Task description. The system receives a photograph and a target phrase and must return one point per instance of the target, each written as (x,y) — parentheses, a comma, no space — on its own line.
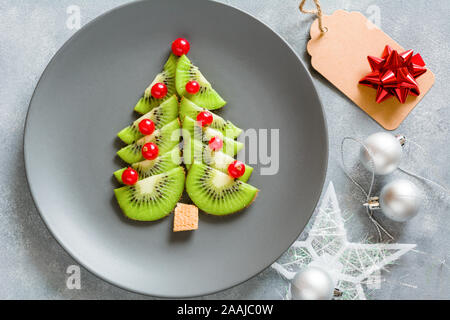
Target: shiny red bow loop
(394,74)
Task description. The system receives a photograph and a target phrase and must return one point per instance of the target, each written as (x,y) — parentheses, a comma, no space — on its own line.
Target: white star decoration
(349,264)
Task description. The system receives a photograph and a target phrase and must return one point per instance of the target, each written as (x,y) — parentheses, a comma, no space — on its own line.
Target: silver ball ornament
(385,153)
(312,283)
(400,200)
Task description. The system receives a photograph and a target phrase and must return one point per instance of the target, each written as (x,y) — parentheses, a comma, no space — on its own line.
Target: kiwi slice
(230,146)
(152,198)
(190,109)
(165,138)
(206,97)
(192,150)
(196,151)
(220,161)
(217,193)
(167,76)
(147,168)
(162,115)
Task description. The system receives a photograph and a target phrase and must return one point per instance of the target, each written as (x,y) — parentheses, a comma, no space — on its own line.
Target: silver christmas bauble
(386,152)
(400,200)
(312,283)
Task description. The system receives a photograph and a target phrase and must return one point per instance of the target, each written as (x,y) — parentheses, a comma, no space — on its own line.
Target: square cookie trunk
(185,218)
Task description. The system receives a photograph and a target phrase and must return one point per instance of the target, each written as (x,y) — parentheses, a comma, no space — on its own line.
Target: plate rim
(66,248)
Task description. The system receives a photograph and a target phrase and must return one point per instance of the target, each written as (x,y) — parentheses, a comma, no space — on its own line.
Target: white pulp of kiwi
(145,164)
(221,180)
(218,159)
(146,186)
(210,133)
(149,138)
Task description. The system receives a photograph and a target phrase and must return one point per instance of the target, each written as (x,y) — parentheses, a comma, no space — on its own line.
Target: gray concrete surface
(33,265)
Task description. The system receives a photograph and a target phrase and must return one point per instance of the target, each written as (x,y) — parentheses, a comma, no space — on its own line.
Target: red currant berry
(215,143)
(159,90)
(205,118)
(236,169)
(180,46)
(192,87)
(146,126)
(130,176)
(150,151)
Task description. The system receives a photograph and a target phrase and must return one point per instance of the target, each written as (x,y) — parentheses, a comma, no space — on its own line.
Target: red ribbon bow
(394,74)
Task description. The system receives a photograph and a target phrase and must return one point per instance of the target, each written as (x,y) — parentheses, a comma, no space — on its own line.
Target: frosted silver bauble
(386,151)
(312,283)
(400,200)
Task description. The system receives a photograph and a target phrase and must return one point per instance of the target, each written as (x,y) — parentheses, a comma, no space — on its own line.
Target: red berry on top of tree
(180,46)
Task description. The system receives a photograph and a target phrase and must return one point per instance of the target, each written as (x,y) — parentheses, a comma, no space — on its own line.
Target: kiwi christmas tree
(154,180)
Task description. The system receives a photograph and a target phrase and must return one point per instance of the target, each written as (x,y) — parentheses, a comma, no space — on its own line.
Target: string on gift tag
(317,12)
(368,194)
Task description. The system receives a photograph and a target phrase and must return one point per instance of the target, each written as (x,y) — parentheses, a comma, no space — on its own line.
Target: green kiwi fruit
(192,150)
(152,198)
(165,138)
(162,115)
(167,76)
(190,109)
(215,192)
(196,151)
(147,168)
(230,146)
(206,97)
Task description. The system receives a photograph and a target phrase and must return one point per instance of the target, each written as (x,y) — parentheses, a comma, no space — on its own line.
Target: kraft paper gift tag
(340,55)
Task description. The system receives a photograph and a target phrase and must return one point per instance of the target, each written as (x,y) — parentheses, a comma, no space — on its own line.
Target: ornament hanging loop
(401,139)
(373,203)
(317,12)
(337,293)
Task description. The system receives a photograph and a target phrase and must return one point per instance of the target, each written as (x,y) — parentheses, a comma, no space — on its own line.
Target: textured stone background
(33,265)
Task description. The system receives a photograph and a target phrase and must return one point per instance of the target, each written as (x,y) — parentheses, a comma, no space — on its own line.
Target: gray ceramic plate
(87,94)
